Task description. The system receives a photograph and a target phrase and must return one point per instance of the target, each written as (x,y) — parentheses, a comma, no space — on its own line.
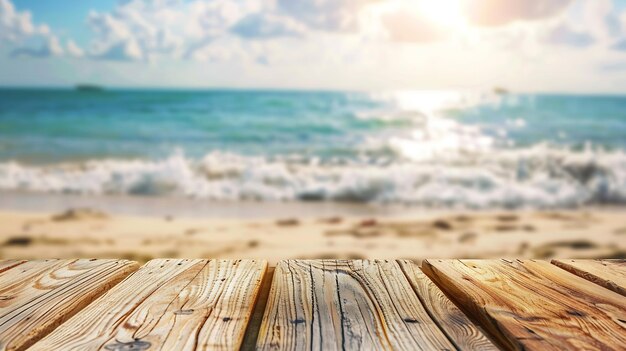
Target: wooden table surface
(196,304)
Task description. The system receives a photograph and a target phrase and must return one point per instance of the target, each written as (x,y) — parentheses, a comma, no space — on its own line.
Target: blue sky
(68,19)
(525,45)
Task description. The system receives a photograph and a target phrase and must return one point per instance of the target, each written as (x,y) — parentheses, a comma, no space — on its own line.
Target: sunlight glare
(446,13)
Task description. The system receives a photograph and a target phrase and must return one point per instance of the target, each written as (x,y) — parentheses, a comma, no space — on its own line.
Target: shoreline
(183,207)
(154,206)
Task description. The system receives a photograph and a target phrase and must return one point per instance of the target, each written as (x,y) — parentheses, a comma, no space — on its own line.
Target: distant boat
(88,87)
(500,90)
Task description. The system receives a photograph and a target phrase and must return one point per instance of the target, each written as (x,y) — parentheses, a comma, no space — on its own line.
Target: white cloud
(620,45)
(210,30)
(50,47)
(619,31)
(405,24)
(407,27)
(131,32)
(144,29)
(329,15)
(564,34)
(19,29)
(122,50)
(502,12)
(74,50)
(264,26)
(600,18)
(587,23)
(16,26)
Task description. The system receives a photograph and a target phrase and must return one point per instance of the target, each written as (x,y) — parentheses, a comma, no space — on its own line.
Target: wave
(405,152)
(540,176)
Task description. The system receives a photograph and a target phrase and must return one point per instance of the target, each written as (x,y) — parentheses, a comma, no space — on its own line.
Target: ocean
(423,149)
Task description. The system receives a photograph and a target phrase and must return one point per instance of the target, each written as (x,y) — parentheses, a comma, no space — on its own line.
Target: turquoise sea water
(430,149)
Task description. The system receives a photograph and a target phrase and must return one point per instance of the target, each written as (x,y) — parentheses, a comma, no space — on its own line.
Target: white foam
(537,177)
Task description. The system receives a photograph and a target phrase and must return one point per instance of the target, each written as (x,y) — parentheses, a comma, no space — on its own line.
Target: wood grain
(254,324)
(168,305)
(8,264)
(349,305)
(610,274)
(462,332)
(534,305)
(37,296)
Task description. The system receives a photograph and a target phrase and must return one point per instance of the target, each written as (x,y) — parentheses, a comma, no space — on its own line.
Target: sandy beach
(85,232)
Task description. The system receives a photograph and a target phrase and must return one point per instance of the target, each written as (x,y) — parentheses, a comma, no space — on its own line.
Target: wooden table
(185,304)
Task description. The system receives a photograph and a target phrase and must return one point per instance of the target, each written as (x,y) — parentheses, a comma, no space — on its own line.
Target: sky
(574,46)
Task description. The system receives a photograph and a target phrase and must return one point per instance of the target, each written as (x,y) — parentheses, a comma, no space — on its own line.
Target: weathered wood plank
(252,331)
(168,305)
(37,296)
(610,274)
(349,305)
(8,264)
(534,305)
(460,330)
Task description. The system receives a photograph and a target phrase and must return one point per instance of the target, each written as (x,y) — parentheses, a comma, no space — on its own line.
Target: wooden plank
(37,296)
(349,305)
(610,274)
(252,332)
(8,264)
(463,333)
(168,305)
(534,305)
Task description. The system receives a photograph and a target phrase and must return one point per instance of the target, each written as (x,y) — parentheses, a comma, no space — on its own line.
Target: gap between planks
(610,274)
(462,331)
(533,305)
(252,331)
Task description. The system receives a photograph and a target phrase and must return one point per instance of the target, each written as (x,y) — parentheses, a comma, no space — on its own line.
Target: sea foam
(535,177)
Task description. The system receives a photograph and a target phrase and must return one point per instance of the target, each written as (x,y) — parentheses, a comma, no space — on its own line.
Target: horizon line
(299,89)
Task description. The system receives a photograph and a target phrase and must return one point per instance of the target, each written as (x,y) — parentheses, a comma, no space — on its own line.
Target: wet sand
(85,232)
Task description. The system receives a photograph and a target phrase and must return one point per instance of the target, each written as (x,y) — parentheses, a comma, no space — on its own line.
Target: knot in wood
(135,345)
(184,312)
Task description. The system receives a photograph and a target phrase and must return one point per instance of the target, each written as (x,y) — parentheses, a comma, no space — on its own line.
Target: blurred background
(313,129)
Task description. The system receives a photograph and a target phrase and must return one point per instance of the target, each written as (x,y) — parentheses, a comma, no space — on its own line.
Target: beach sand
(84,232)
